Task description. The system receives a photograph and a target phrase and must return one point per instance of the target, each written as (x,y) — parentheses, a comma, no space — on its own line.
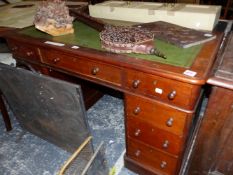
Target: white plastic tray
(203,17)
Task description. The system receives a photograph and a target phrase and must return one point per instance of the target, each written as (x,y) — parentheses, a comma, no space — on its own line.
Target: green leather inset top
(88,37)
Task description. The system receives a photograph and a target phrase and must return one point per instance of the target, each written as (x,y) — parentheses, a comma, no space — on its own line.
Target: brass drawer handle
(169,122)
(163,164)
(29,53)
(137,132)
(137,110)
(95,70)
(137,153)
(14,48)
(136,83)
(165,144)
(56,60)
(171,95)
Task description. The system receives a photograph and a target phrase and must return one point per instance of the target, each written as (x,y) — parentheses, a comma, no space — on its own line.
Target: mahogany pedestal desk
(160,99)
(213,150)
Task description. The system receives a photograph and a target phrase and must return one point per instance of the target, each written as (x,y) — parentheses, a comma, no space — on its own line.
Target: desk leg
(5,115)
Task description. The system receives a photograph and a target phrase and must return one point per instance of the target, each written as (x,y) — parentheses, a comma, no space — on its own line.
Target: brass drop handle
(172,95)
(137,110)
(56,60)
(30,53)
(169,122)
(137,132)
(14,48)
(163,164)
(165,144)
(95,70)
(137,153)
(136,84)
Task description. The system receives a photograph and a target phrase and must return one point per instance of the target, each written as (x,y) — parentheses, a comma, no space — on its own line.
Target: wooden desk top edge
(219,76)
(202,64)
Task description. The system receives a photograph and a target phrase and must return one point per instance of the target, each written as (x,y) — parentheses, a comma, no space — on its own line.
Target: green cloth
(88,37)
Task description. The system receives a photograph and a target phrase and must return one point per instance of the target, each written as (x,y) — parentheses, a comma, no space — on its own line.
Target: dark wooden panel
(213,151)
(49,108)
(214,141)
(225,69)
(91,92)
(223,74)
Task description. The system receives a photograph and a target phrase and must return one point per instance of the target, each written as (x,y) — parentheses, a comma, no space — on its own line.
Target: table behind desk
(213,153)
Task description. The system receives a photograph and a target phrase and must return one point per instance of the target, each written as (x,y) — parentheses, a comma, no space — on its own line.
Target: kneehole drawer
(86,67)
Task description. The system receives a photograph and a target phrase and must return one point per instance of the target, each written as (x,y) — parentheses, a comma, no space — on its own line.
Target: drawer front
(21,50)
(88,68)
(153,159)
(157,114)
(154,136)
(171,91)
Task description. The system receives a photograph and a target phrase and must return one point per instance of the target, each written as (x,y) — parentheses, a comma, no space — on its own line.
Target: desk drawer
(158,114)
(21,50)
(147,133)
(151,158)
(86,67)
(168,90)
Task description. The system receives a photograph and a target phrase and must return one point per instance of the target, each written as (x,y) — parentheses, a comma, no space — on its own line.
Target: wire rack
(85,161)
